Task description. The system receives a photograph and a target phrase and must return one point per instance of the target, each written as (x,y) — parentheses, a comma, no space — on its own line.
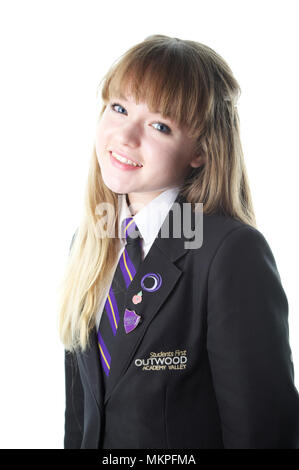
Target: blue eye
(116,104)
(166,130)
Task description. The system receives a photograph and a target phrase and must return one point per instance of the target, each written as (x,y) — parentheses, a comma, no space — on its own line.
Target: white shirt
(149,220)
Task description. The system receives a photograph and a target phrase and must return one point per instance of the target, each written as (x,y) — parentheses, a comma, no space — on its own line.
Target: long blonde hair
(190,83)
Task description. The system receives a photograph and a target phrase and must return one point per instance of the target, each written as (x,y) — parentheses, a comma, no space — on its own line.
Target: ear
(198,160)
(200,153)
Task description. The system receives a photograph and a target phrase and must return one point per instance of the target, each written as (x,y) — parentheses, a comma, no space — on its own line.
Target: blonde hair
(190,83)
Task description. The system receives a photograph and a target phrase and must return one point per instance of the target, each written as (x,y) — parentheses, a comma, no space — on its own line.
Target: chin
(115,186)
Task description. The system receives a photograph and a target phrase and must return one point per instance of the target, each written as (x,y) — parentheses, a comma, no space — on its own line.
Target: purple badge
(131,320)
(157,278)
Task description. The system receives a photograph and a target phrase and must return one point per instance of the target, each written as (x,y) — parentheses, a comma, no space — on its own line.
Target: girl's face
(131,131)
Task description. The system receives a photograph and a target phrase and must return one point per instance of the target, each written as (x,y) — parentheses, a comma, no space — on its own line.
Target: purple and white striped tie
(114,307)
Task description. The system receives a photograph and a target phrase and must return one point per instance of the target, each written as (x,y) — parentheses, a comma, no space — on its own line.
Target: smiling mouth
(124,160)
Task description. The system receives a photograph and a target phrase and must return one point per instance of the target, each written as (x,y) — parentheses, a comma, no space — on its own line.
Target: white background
(53,56)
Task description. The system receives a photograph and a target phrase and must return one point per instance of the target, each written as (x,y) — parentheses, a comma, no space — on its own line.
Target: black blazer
(210,365)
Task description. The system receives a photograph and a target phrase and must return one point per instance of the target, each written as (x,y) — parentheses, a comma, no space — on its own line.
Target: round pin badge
(151,278)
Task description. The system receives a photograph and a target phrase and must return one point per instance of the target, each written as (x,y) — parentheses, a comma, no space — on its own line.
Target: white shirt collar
(150,218)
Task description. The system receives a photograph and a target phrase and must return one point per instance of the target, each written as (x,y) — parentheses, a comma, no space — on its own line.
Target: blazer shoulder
(222,224)
(243,248)
(218,226)
(229,238)
(243,237)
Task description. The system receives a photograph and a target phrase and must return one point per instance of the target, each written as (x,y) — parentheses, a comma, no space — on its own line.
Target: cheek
(104,126)
(169,159)
(101,129)
(159,154)
(98,139)
(100,144)
(102,136)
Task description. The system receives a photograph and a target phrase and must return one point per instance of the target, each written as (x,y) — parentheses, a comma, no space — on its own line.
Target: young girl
(170,345)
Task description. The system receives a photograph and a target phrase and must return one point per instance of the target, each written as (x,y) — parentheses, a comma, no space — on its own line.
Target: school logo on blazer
(170,360)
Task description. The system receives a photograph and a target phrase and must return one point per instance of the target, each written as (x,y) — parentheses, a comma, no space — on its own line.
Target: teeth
(124,160)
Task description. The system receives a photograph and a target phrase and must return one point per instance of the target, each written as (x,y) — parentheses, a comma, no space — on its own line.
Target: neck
(136,201)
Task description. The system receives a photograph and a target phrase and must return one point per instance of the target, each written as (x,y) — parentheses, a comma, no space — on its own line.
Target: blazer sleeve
(74,398)
(74,403)
(248,345)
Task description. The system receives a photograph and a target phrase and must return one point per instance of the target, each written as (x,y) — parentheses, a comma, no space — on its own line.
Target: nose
(129,134)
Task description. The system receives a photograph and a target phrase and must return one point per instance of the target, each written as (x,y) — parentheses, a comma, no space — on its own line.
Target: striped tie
(114,307)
